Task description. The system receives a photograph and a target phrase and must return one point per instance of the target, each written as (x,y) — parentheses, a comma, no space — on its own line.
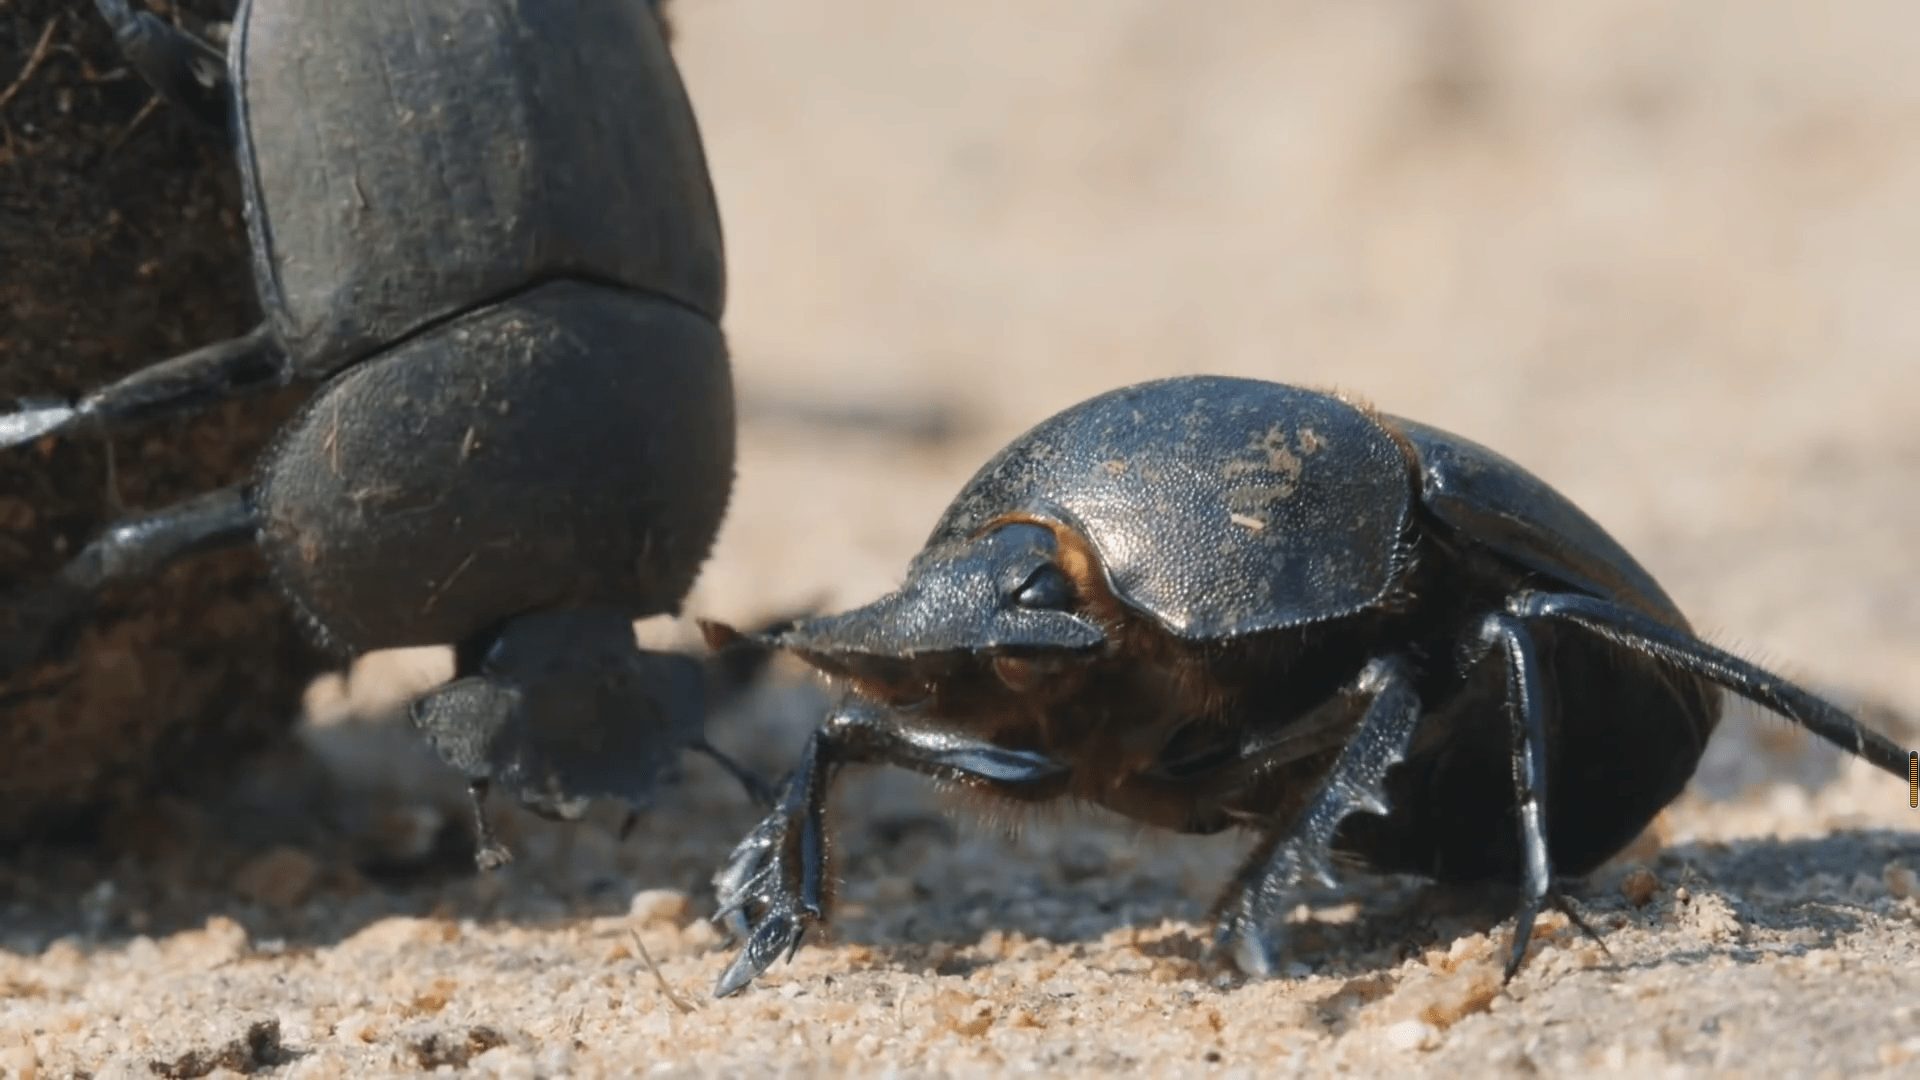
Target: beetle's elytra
(485,230)
(1206,601)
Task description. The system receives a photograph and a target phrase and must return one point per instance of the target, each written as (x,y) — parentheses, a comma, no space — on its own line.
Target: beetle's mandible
(1206,601)
(485,230)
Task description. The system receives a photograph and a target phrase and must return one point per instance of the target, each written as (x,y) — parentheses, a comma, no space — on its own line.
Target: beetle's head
(1001,608)
(562,707)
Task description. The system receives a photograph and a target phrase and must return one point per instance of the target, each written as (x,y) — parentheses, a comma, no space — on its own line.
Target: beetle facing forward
(486,229)
(1205,602)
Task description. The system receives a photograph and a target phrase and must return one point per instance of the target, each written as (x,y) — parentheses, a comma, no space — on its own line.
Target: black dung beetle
(1204,602)
(485,229)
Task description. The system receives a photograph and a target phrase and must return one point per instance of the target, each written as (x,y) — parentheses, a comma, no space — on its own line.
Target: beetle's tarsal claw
(766,889)
(1523,921)
(30,421)
(778,934)
(1251,949)
(1257,900)
(1250,935)
(1522,937)
(1565,907)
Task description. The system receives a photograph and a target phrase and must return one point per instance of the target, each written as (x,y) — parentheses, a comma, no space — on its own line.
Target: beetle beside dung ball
(1204,602)
(485,231)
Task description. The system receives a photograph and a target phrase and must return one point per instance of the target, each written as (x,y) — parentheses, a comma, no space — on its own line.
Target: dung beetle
(485,230)
(1205,602)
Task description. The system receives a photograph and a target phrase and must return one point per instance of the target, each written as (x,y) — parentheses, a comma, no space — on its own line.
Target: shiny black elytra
(485,229)
(1205,602)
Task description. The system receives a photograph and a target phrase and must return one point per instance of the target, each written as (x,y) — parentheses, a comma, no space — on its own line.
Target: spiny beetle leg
(774,884)
(762,886)
(1259,895)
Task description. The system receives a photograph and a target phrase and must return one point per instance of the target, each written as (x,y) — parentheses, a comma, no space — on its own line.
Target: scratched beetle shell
(1236,508)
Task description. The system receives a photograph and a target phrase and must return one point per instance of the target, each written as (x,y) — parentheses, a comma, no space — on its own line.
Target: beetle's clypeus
(485,231)
(1204,602)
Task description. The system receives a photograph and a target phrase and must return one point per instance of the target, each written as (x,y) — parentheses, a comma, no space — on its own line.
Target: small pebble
(657,905)
(19,1063)
(280,879)
(1413,1035)
(1639,887)
(1902,882)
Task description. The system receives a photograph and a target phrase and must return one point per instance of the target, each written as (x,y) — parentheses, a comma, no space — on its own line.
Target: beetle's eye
(1046,589)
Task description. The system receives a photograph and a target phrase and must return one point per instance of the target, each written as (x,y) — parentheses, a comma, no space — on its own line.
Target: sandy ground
(1661,253)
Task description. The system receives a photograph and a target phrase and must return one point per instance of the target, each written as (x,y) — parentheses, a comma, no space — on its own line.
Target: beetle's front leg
(774,884)
(1254,903)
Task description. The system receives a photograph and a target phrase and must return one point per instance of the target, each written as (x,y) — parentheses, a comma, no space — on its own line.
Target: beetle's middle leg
(1257,898)
(780,868)
(247,364)
(130,549)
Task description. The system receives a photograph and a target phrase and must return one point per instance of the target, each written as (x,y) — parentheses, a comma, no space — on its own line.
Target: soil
(122,243)
(1662,254)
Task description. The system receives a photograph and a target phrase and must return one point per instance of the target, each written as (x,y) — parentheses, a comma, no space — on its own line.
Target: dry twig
(133,125)
(34,61)
(665,988)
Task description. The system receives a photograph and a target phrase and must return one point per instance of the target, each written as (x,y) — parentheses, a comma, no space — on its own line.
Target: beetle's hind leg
(194,380)
(1255,902)
(36,623)
(187,71)
(1695,657)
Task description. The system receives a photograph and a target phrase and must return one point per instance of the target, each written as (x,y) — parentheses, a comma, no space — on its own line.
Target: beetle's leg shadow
(134,548)
(1629,628)
(188,72)
(1258,896)
(780,868)
(213,373)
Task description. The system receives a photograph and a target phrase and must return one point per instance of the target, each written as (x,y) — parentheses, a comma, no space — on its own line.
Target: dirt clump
(121,232)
